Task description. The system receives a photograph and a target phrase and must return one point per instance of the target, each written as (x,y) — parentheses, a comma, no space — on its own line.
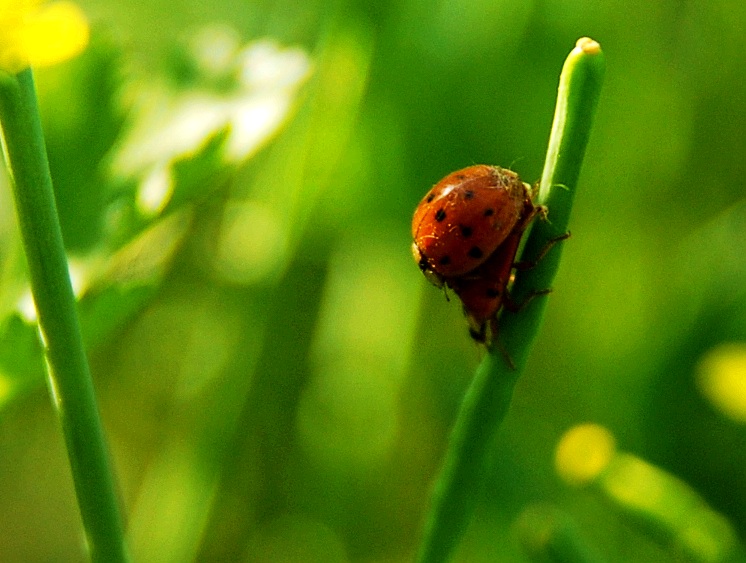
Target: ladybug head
(424,265)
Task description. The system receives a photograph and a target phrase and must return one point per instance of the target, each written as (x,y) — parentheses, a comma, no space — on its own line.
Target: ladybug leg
(528,264)
(479,334)
(445,293)
(530,211)
(495,341)
(478,331)
(514,307)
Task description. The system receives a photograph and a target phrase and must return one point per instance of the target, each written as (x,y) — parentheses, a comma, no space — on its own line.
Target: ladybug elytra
(484,291)
(466,233)
(464,218)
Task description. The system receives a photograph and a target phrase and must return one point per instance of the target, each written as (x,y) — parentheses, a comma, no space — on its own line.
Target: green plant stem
(67,367)
(487,400)
(676,516)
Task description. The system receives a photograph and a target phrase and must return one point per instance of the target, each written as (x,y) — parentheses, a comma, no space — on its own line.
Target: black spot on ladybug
(460,176)
(430,197)
(445,260)
(465,231)
(492,293)
(440,214)
(489,212)
(469,194)
(475,252)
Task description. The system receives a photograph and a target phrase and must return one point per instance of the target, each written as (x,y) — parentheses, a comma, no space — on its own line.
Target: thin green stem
(488,398)
(676,516)
(68,372)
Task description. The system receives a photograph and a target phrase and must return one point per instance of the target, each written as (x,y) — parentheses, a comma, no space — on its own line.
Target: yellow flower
(32,34)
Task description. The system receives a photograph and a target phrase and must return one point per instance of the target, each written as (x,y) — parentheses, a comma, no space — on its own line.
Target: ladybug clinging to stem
(464,218)
(466,232)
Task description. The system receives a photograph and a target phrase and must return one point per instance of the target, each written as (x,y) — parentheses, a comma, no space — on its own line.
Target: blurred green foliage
(276,378)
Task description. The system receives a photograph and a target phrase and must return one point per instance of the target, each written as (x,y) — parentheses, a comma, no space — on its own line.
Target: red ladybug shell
(483,291)
(464,218)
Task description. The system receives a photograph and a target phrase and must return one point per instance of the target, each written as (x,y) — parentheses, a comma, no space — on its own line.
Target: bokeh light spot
(721,377)
(6,388)
(583,453)
(640,486)
(155,191)
(252,243)
(348,416)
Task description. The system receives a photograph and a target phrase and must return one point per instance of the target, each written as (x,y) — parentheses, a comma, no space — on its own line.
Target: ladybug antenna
(515,161)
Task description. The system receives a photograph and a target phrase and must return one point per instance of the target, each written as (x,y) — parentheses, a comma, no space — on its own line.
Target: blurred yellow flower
(583,453)
(36,34)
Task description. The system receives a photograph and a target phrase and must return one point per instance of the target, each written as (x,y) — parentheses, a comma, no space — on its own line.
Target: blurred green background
(276,377)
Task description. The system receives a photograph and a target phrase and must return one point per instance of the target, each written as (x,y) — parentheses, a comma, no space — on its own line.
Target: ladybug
(462,220)
(484,291)
(486,208)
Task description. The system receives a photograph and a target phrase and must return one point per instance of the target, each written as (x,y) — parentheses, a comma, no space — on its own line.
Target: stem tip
(588,46)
